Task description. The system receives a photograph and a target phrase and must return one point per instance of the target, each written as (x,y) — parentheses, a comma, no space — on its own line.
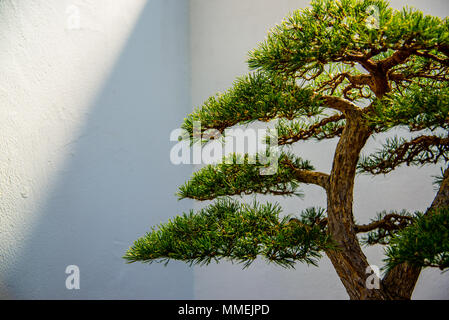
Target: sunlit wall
(89,92)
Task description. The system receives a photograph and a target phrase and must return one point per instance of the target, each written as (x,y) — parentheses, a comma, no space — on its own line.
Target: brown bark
(349,261)
(390,222)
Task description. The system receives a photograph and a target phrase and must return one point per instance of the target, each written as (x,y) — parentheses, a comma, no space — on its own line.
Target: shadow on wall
(118,181)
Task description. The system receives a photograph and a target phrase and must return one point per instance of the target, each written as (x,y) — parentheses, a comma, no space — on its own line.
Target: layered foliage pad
(423,244)
(238,175)
(236,232)
(335,31)
(255,97)
(416,109)
(396,151)
(424,110)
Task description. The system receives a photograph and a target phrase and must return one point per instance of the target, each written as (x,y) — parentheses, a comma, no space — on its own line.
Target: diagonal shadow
(119,180)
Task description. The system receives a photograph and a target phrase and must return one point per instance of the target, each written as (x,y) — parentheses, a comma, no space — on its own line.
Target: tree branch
(391,221)
(309,177)
(236,232)
(316,130)
(340,104)
(428,55)
(364,60)
(420,150)
(398,57)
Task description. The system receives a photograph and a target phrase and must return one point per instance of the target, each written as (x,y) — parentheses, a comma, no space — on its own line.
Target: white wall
(85,115)
(222,32)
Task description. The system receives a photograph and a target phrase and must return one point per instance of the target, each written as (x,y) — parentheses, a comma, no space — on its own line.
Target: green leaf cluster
(397,150)
(425,243)
(254,97)
(236,232)
(418,108)
(331,30)
(238,175)
(307,61)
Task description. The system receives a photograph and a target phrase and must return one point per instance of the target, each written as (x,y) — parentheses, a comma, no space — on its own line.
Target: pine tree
(345,70)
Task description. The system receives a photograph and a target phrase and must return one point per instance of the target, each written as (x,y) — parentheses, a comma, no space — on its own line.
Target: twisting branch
(398,77)
(390,222)
(421,150)
(398,57)
(358,80)
(431,56)
(317,130)
(307,176)
(385,227)
(340,104)
(364,60)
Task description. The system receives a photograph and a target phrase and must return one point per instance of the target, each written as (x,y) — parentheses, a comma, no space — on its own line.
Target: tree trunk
(349,262)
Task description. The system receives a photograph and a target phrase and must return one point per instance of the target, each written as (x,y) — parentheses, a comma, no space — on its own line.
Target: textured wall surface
(89,93)
(222,32)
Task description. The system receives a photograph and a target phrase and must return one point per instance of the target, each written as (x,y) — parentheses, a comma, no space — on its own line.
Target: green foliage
(396,151)
(333,78)
(425,243)
(417,108)
(314,52)
(242,175)
(329,31)
(438,180)
(256,96)
(237,232)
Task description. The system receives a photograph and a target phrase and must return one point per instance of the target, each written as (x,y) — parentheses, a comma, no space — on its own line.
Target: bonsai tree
(345,70)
